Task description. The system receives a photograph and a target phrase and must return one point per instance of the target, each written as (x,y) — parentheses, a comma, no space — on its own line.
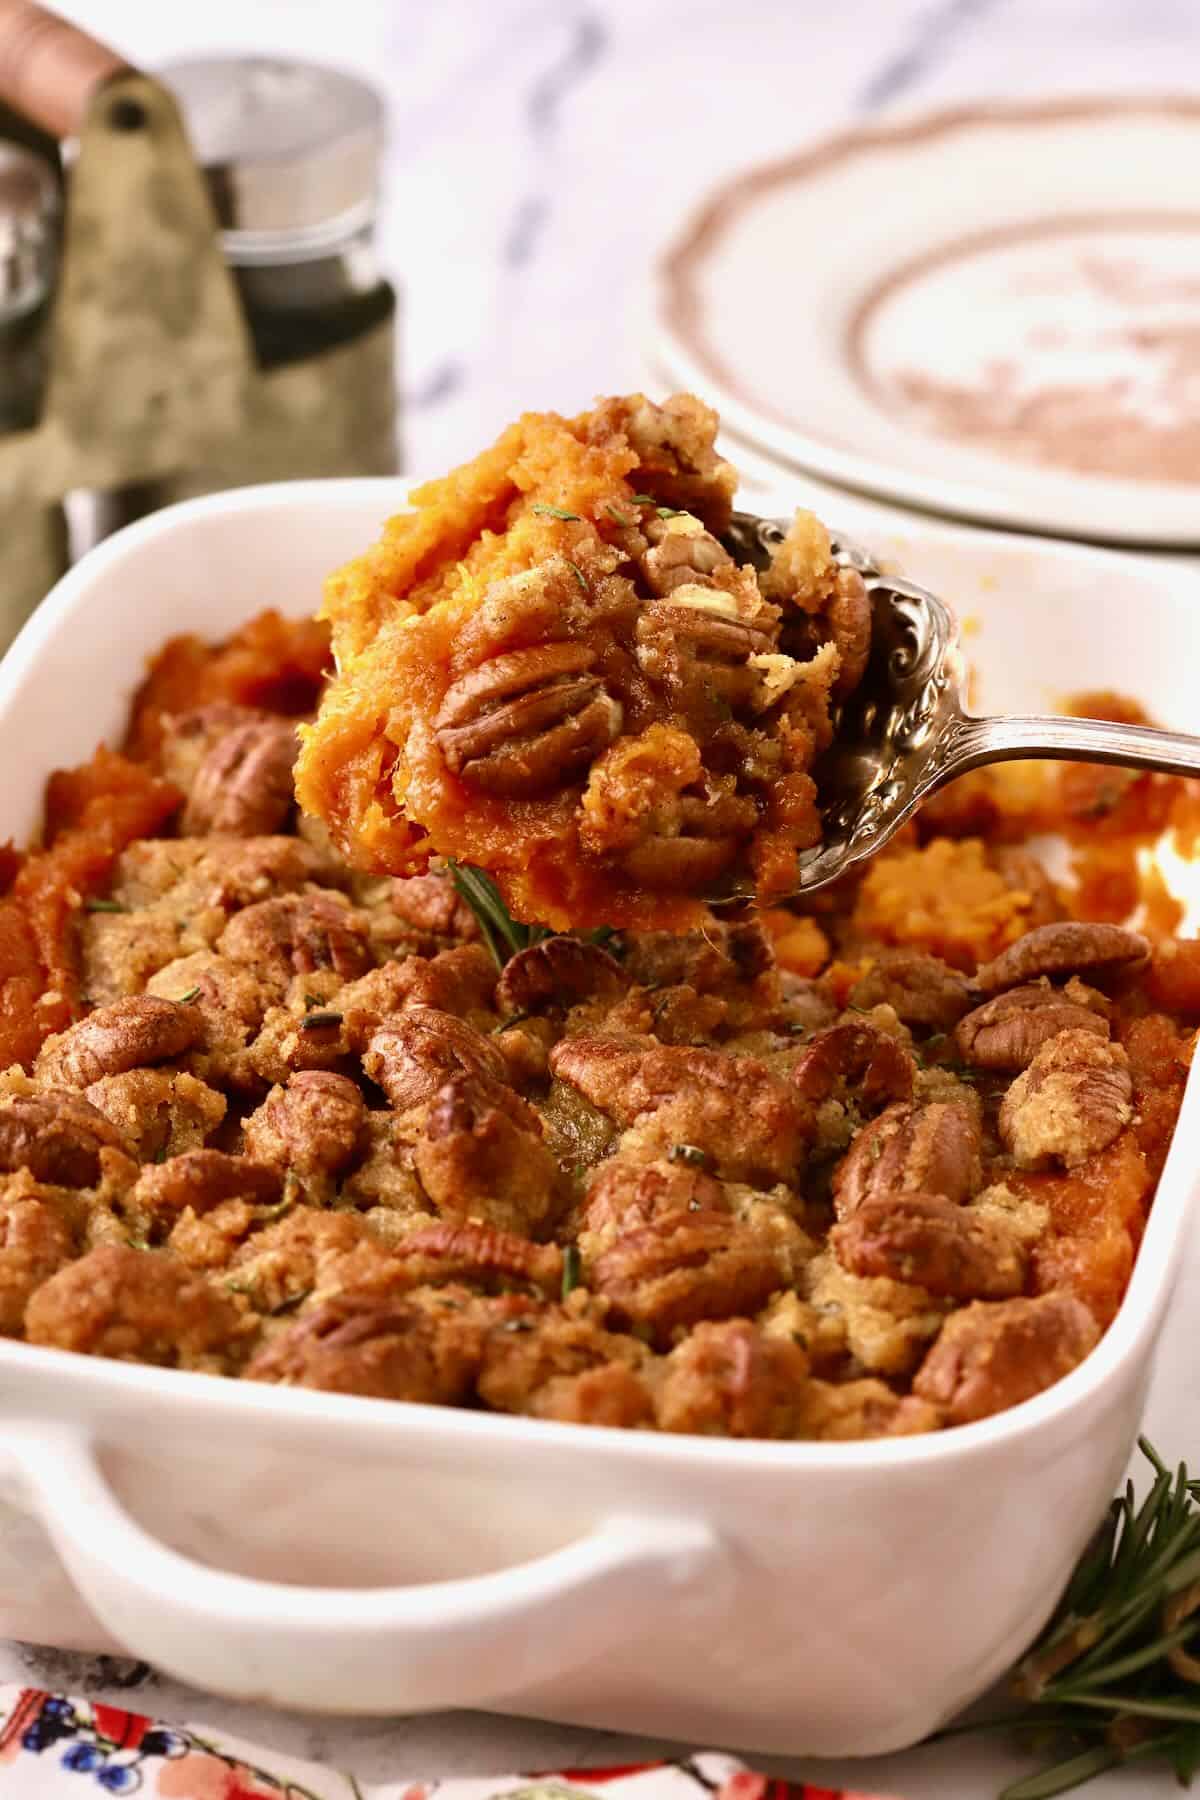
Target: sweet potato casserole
(877,1165)
(555,669)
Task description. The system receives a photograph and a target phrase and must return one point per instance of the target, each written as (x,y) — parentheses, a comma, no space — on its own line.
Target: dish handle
(463,1642)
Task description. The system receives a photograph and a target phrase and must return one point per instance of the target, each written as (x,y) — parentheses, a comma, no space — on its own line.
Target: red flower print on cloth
(57,1747)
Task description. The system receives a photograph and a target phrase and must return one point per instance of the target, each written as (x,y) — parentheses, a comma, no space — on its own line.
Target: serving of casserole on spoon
(571,664)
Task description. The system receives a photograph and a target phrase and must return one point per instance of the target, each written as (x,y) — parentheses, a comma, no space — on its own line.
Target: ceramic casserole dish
(322,1551)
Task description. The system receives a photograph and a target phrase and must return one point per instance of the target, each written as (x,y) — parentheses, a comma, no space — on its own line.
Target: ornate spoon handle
(971,742)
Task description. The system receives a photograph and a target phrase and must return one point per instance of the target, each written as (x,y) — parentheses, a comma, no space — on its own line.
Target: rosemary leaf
(193,993)
(103,906)
(1100,1679)
(579,575)
(502,934)
(554,512)
(572,1270)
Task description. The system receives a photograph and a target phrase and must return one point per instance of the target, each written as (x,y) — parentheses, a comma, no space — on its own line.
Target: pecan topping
(244,783)
(300,934)
(932,1148)
(684,1267)
(57,1136)
(565,1366)
(626,1195)
(527,720)
(391,1349)
(1007,1031)
(558,973)
(682,554)
(1066,948)
(921,990)
(854,1061)
(202,1179)
(464,1250)
(415,1052)
(749,1120)
(480,1159)
(314,1125)
(729,1380)
(1072,1100)
(699,637)
(928,1241)
(989,1357)
(137,1306)
(130,1033)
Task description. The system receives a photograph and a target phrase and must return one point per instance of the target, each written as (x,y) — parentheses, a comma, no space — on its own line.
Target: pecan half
(1068,947)
(1073,1099)
(841,617)
(528,720)
(314,1125)
(415,1052)
(626,1194)
(920,989)
(136,1306)
(475,1158)
(558,973)
(751,1122)
(854,1061)
(729,1380)
(685,1267)
(391,1349)
(989,1357)
(465,1250)
(932,1148)
(565,1366)
(699,636)
(57,1136)
(244,784)
(202,1179)
(300,934)
(34,1243)
(128,1034)
(925,1240)
(1007,1031)
(682,554)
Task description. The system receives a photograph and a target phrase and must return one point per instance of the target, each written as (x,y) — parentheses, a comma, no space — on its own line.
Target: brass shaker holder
(152,372)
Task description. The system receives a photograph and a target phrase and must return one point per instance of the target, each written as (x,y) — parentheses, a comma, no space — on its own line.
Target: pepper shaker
(291,153)
(35,535)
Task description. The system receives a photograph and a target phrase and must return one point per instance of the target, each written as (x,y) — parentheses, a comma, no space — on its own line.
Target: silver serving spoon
(904,732)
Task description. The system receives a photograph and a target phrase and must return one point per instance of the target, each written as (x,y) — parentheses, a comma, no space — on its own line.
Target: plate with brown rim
(991,312)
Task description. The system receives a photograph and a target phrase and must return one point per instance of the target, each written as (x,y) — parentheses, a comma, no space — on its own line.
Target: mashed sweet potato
(551,667)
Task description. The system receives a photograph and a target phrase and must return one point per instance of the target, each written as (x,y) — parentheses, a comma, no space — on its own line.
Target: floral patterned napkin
(53,1747)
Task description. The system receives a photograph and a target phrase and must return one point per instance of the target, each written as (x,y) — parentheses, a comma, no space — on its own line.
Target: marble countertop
(540,152)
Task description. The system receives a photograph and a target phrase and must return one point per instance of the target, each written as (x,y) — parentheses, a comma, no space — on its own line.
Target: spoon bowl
(905,732)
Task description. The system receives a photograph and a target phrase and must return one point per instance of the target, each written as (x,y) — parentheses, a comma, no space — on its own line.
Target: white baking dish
(332,1553)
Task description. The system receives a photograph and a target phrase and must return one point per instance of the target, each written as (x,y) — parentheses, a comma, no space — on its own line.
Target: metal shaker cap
(29,208)
(291,151)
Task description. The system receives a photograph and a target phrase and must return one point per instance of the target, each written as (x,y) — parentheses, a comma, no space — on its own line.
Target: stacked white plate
(990,314)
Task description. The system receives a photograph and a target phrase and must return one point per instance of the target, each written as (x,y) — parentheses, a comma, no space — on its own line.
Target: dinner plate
(991,312)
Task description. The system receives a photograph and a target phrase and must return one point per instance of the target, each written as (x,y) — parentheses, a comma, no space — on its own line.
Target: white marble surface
(540,151)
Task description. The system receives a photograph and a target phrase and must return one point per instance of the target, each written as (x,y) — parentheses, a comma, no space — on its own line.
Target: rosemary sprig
(1112,1675)
(502,934)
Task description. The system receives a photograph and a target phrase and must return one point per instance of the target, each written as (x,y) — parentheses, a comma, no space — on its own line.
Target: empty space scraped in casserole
(552,667)
(879,1168)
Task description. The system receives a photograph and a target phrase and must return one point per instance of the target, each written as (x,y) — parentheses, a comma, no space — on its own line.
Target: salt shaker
(291,152)
(34,535)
